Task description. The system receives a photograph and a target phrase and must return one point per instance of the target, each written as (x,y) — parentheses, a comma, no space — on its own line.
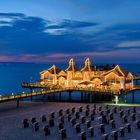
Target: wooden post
(69,96)
(88,98)
(31,91)
(136,82)
(60,96)
(82,96)
(17,102)
(85,97)
(48,97)
(53,96)
(133,96)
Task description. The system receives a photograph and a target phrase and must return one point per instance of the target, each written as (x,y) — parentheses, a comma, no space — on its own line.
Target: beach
(11,121)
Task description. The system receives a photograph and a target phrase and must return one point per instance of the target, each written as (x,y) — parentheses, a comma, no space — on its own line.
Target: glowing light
(116,100)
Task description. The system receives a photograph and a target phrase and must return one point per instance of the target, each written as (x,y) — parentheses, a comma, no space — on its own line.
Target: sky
(53,31)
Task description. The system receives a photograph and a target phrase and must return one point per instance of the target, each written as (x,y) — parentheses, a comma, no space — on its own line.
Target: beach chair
(83,119)
(102,128)
(111,117)
(69,117)
(128,111)
(87,107)
(104,119)
(121,112)
(52,115)
(113,124)
(133,117)
(60,113)
(128,128)
(121,131)
(35,126)
(80,109)
(138,124)
(63,134)
(115,110)
(68,111)
(114,135)
(77,115)
(94,106)
(73,121)
(83,135)
(92,117)
(100,108)
(107,106)
(46,130)
(51,122)
(134,109)
(87,113)
(91,131)
(100,119)
(77,127)
(33,120)
(107,111)
(25,123)
(61,119)
(88,124)
(43,118)
(124,119)
(61,126)
(105,137)
(93,111)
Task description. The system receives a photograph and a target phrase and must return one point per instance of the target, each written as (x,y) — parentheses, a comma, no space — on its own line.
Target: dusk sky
(52,31)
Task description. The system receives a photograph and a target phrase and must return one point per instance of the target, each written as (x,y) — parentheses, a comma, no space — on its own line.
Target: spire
(71,65)
(71,62)
(87,62)
(87,66)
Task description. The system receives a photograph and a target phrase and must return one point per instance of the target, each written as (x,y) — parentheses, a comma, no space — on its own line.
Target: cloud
(36,39)
(129,44)
(65,23)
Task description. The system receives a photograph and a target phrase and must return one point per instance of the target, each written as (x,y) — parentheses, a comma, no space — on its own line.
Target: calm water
(13,74)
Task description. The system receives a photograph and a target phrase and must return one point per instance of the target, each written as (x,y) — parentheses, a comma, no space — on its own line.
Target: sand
(11,117)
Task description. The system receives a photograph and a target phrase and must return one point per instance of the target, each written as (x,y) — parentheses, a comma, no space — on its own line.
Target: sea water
(12,75)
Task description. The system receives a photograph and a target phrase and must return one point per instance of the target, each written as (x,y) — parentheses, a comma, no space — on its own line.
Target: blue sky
(52,31)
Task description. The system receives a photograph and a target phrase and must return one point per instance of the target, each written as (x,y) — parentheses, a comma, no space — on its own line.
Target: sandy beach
(11,118)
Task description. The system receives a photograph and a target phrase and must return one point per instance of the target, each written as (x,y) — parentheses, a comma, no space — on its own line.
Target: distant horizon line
(65,62)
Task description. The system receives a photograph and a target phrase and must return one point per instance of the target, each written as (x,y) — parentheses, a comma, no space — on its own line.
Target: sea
(13,74)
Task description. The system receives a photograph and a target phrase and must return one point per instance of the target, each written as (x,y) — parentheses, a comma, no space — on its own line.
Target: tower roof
(87,66)
(54,70)
(71,66)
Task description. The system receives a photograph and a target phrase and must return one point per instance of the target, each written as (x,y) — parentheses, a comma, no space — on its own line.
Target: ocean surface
(12,75)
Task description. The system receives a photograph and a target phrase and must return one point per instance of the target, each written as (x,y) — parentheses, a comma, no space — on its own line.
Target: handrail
(55,90)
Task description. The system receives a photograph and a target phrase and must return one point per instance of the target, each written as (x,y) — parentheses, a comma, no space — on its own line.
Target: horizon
(53,32)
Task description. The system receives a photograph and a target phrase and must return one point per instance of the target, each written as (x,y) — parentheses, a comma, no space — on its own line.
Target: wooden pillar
(53,96)
(48,97)
(82,96)
(136,82)
(69,95)
(31,91)
(60,96)
(18,103)
(88,99)
(133,96)
(85,97)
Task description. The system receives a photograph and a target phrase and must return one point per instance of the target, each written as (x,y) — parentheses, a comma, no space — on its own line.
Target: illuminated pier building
(89,76)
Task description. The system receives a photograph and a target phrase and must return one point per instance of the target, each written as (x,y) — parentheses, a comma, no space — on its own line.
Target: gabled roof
(54,70)
(117,70)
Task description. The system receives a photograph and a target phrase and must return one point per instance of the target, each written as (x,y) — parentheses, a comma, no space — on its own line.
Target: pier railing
(46,91)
